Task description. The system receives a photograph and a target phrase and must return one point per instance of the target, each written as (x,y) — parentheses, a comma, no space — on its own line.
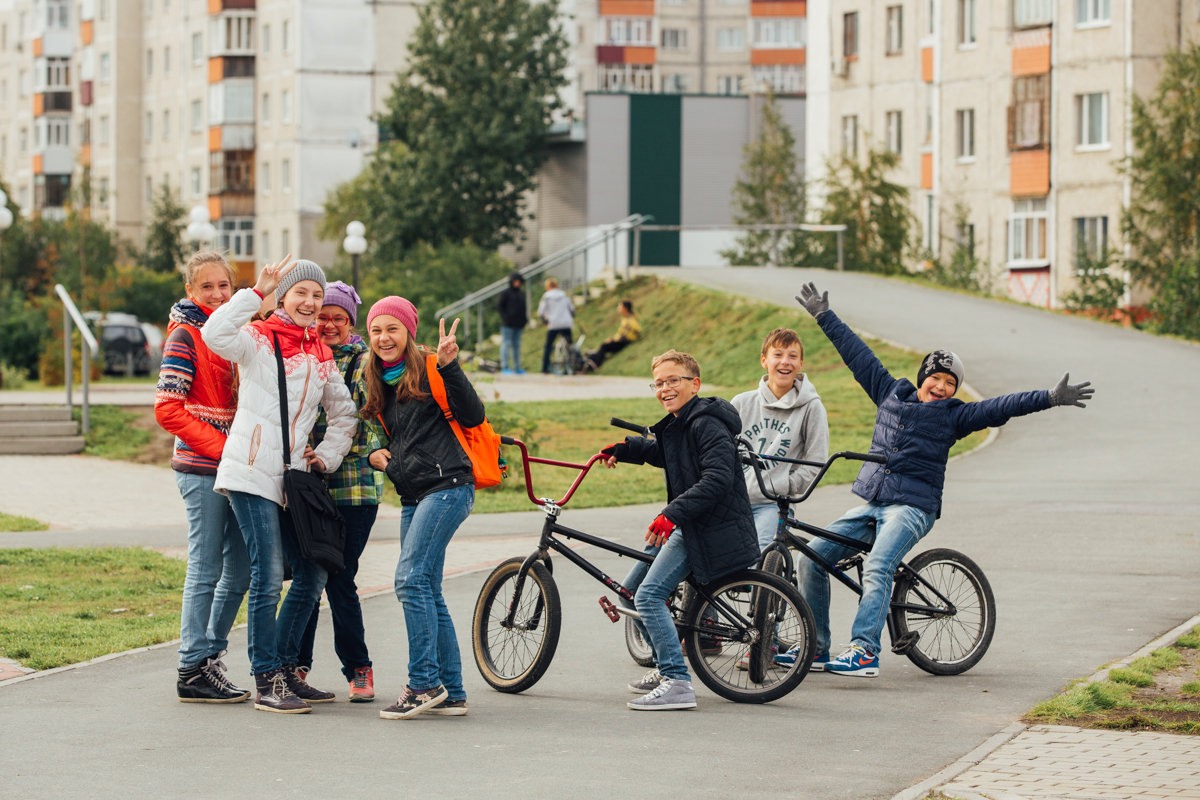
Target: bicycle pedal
(609,608)
(906,641)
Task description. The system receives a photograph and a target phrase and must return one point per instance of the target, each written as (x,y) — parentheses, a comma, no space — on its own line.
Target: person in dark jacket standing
(436,483)
(708,513)
(915,427)
(514,315)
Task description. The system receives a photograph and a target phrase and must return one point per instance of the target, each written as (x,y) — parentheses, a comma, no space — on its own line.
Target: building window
(23,82)
(1027,232)
(966,23)
(782,78)
(285,175)
(265,250)
(102,193)
(103,12)
(58,74)
(238,33)
(1092,12)
(779,32)
(929,102)
(23,141)
(236,236)
(285,241)
(731,40)
(264,175)
(927,224)
(964,133)
(850,136)
(1091,114)
(729,84)
(895,29)
(285,101)
(148,134)
(893,122)
(166,60)
(197,48)
(149,63)
(631,31)
(196,182)
(287,39)
(676,84)
(626,78)
(103,134)
(266,108)
(674,39)
(266,47)
(930,17)
(1091,239)
(166,125)
(149,190)
(197,125)
(850,35)
(1029,115)
(964,238)
(1032,13)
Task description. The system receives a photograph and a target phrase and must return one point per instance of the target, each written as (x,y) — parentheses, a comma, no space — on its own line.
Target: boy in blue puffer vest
(915,428)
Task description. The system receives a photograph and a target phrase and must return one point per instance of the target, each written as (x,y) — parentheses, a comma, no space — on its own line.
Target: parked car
(154,340)
(124,345)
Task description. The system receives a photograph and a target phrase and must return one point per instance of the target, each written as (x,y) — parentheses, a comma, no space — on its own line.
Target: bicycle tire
(773,607)
(515,658)
(639,649)
(946,644)
(560,357)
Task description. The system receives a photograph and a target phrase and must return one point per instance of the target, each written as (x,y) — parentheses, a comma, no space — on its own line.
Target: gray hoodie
(793,426)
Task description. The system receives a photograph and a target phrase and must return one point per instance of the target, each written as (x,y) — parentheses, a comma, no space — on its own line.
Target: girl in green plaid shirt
(356,488)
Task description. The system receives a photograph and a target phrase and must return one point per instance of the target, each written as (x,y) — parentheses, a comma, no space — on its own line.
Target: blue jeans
(898,529)
(425,532)
(259,519)
(308,581)
(218,570)
(349,637)
(766,521)
(510,348)
(669,567)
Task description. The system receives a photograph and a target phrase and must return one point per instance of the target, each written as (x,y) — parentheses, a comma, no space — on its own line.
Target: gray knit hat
(304,270)
(941,361)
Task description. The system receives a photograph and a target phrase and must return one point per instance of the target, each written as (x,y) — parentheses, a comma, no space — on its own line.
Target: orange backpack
(481,443)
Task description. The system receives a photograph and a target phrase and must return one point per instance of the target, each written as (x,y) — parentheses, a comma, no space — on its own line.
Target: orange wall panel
(926,170)
(37,47)
(216,70)
(927,64)
(85,155)
(784,9)
(1029,173)
(1031,60)
(214,6)
(214,139)
(85,32)
(639,55)
(37,165)
(214,209)
(39,104)
(245,272)
(627,8)
(766,57)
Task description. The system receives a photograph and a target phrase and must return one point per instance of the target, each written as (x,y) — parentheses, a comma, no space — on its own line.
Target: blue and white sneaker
(857,661)
(789,658)
(820,662)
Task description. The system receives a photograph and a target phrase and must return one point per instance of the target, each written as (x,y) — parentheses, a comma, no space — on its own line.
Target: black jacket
(706,492)
(426,455)
(511,305)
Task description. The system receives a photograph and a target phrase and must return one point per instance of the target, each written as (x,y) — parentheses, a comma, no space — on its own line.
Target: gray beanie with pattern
(304,270)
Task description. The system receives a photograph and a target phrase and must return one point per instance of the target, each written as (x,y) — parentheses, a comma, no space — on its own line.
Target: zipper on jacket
(304,391)
(255,441)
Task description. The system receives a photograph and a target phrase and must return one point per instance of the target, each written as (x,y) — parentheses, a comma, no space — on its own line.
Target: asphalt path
(1083,521)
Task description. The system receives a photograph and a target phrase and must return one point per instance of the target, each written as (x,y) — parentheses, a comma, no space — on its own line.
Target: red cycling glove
(616,450)
(662,526)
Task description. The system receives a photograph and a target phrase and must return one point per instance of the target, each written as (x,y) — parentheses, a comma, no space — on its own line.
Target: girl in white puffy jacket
(251,467)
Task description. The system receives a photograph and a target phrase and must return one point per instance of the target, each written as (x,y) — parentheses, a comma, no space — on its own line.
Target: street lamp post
(355,244)
(6,217)
(200,229)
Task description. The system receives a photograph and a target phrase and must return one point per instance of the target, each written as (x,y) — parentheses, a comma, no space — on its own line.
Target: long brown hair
(409,387)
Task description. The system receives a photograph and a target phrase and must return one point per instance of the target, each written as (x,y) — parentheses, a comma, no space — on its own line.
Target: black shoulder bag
(320,529)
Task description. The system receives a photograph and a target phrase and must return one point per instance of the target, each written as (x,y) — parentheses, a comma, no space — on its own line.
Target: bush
(11,377)
(146,294)
(24,327)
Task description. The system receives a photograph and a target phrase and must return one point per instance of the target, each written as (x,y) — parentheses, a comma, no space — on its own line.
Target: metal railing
(840,230)
(88,348)
(571,258)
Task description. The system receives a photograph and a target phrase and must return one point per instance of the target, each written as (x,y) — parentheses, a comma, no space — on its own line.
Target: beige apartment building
(253,110)
(1015,112)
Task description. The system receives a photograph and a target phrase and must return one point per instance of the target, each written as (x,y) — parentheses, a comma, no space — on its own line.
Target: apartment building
(1015,113)
(252,108)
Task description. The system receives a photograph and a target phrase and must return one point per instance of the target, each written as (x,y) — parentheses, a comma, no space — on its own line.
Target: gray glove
(815,304)
(1065,394)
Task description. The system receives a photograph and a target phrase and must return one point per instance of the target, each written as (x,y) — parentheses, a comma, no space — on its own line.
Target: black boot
(214,669)
(297,678)
(196,686)
(274,694)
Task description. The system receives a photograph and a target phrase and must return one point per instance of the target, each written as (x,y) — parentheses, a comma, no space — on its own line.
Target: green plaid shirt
(356,482)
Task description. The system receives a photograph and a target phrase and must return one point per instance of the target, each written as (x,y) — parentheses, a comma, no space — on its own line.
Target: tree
(769,192)
(1161,225)
(164,250)
(875,211)
(466,127)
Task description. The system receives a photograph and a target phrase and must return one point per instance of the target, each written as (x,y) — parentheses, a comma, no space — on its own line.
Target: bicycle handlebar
(755,461)
(641,430)
(527,459)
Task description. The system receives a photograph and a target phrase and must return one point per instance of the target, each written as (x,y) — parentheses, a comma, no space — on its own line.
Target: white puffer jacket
(252,460)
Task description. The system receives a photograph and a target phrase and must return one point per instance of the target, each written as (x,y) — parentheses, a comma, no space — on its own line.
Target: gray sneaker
(647,683)
(669,695)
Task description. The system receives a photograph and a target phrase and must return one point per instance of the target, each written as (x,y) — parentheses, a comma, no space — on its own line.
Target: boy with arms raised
(915,427)
(706,528)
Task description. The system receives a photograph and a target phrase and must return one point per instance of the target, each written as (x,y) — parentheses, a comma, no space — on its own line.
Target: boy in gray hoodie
(782,416)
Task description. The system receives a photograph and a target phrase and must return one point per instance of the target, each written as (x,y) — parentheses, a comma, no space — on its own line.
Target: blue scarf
(392,373)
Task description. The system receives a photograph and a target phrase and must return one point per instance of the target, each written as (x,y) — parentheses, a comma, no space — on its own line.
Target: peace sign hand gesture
(447,349)
(271,274)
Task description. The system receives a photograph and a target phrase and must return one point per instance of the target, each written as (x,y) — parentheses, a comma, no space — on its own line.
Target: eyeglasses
(341,322)
(669,383)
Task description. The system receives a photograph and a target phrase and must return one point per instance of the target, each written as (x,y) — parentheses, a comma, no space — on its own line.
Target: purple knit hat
(344,297)
(399,308)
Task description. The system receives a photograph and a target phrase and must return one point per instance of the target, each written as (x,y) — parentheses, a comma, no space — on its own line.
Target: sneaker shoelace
(653,676)
(662,688)
(279,686)
(360,679)
(214,669)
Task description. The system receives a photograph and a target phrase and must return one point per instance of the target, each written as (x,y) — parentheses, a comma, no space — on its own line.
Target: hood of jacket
(292,338)
(716,407)
(187,312)
(801,394)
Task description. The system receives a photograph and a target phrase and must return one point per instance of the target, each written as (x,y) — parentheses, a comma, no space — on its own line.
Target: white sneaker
(647,683)
(670,695)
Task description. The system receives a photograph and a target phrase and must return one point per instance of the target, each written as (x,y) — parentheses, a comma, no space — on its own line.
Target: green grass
(112,433)
(60,606)
(13,522)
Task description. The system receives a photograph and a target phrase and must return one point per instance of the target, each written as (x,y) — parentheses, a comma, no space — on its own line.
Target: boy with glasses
(706,528)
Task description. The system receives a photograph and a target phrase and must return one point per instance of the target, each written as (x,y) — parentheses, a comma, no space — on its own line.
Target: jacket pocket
(255,441)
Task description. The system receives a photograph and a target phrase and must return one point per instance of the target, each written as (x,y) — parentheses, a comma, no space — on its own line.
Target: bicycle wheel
(748,610)
(639,649)
(511,658)
(560,357)
(946,643)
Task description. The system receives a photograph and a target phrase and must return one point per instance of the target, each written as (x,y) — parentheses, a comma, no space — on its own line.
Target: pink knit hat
(399,308)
